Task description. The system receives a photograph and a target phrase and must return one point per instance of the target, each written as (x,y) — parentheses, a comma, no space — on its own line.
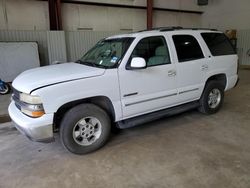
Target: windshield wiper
(78,61)
(86,63)
(90,64)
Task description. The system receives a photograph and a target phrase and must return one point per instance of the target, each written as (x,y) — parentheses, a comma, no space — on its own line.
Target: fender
(57,95)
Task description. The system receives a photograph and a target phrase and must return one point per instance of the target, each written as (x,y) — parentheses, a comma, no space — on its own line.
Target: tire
(6,89)
(208,105)
(84,129)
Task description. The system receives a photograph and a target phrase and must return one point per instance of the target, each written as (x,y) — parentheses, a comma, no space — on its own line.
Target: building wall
(227,14)
(23,15)
(33,15)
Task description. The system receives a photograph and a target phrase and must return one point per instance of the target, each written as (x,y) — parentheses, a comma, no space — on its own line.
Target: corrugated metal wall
(78,42)
(57,45)
(243,45)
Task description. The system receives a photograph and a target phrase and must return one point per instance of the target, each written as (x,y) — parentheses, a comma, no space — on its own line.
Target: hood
(52,74)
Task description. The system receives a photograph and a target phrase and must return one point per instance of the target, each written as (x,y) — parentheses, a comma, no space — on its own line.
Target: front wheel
(84,129)
(212,98)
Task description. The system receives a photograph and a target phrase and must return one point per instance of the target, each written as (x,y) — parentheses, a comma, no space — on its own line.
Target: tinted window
(187,48)
(218,44)
(153,49)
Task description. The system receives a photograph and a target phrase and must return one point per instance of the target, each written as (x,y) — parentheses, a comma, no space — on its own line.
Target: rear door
(191,65)
(223,58)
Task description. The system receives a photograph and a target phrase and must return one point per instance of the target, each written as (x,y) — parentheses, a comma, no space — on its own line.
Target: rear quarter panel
(224,65)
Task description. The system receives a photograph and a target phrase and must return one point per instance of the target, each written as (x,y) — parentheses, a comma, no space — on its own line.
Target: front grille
(16,98)
(16,93)
(17,103)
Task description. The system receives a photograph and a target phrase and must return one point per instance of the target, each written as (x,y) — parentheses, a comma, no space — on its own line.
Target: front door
(153,88)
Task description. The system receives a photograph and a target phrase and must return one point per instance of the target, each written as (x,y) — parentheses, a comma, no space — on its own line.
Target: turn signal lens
(34,114)
(37,113)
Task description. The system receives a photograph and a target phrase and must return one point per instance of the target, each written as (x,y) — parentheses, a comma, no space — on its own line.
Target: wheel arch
(221,78)
(100,101)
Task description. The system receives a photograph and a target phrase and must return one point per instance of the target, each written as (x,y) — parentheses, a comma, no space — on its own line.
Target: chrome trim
(172,73)
(130,94)
(146,100)
(16,93)
(188,90)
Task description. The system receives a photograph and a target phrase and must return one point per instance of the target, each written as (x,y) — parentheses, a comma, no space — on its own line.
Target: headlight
(30,99)
(31,105)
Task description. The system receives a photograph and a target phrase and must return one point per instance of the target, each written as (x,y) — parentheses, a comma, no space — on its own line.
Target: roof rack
(162,28)
(172,28)
(183,28)
(194,28)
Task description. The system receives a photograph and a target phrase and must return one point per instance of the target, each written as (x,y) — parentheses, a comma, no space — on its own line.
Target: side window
(187,48)
(154,50)
(218,44)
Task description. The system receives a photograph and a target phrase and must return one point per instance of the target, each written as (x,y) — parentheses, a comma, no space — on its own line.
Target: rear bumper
(237,82)
(231,82)
(37,129)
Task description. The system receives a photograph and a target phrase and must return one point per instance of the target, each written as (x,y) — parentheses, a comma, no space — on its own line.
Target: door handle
(204,67)
(172,73)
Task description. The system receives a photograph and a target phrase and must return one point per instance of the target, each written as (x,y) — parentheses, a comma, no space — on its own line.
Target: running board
(156,115)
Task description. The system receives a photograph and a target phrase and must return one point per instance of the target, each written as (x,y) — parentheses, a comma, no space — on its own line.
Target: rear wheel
(85,128)
(212,98)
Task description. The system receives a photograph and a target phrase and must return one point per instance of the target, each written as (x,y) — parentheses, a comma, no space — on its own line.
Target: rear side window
(218,44)
(187,48)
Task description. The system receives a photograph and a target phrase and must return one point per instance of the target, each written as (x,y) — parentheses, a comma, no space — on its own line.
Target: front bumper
(37,129)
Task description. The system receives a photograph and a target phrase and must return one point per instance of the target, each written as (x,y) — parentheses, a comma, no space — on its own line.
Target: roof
(160,30)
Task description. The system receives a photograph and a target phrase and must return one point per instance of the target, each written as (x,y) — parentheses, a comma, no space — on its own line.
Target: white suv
(124,81)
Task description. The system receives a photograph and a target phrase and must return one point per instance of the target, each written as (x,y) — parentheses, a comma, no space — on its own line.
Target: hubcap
(4,89)
(214,98)
(87,130)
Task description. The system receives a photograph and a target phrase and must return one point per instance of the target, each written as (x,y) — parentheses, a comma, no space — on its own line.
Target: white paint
(54,74)
(138,62)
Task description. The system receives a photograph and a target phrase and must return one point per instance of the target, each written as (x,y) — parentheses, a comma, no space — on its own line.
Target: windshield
(107,53)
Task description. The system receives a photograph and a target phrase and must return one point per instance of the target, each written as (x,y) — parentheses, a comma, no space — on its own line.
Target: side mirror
(138,63)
